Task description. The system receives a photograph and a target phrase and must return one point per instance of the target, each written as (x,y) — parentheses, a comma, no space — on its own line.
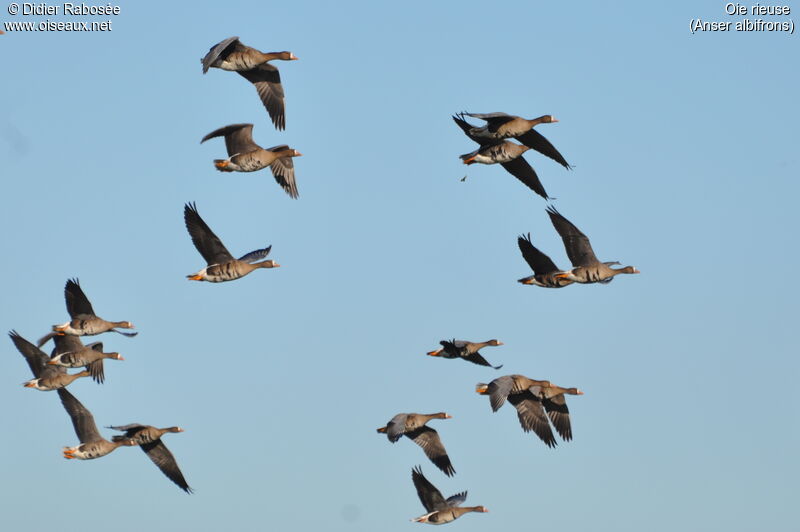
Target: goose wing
(267,80)
(82,419)
(429,440)
(207,243)
(579,249)
(238,138)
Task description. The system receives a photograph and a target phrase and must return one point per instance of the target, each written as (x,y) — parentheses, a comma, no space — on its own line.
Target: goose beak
(28,384)
(52,362)
(482,389)
(382,430)
(580,392)
(195,277)
(293,57)
(469,160)
(434,353)
(636,271)
(448,416)
(500,343)
(276,265)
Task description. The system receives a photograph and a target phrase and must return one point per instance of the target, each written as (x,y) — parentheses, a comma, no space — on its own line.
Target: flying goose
(71,353)
(221,264)
(507,154)
(92,444)
(503,126)
(535,401)
(545,272)
(84,322)
(244,155)
(413,426)
(465,350)
(440,510)
(46,377)
(586,267)
(149,439)
(254,66)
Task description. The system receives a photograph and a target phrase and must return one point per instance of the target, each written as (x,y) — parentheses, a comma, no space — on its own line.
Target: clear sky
(686,166)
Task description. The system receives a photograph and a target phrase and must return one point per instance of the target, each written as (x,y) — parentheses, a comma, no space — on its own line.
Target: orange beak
(195,277)
(469,160)
(434,353)
(382,430)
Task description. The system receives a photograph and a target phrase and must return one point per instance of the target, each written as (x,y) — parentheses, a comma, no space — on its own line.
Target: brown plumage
(440,510)
(507,154)
(221,264)
(465,350)
(149,439)
(413,426)
(244,155)
(92,444)
(545,272)
(84,321)
(254,66)
(46,376)
(71,353)
(586,267)
(536,402)
(504,126)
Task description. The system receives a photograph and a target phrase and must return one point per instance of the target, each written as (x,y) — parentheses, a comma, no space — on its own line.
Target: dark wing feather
(77,302)
(534,139)
(476,358)
(36,359)
(207,243)
(163,459)
(466,127)
(82,419)
(96,371)
(523,171)
(493,120)
(538,261)
(215,51)
(498,391)
(429,440)
(129,429)
(238,138)
(556,408)
(456,500)
(430,497)
(396,427)
(579,250)
(450,348)
(255,255)
(532,416)
(283,172)
(267,80)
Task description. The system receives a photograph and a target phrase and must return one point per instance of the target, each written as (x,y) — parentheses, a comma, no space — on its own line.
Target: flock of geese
(541,405)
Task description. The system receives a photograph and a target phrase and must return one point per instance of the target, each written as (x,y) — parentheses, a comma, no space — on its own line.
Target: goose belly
(219,273)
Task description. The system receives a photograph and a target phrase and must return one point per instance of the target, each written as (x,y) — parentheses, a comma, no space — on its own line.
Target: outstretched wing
(82,419)
(429,440)
(466,127)
(523,171)
(579,250)
(476,358)
(165,461)
(538,261)
(34,356)
(532,416)
(215,51)
(430,497)
(238,138)
(493,120)
(498,391)
(534,139)
(77,302)
(255,255)
(267,80)
(556,408)
(207,243)
(283,172)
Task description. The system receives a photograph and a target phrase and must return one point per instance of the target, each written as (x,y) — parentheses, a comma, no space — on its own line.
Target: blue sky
(686,165)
